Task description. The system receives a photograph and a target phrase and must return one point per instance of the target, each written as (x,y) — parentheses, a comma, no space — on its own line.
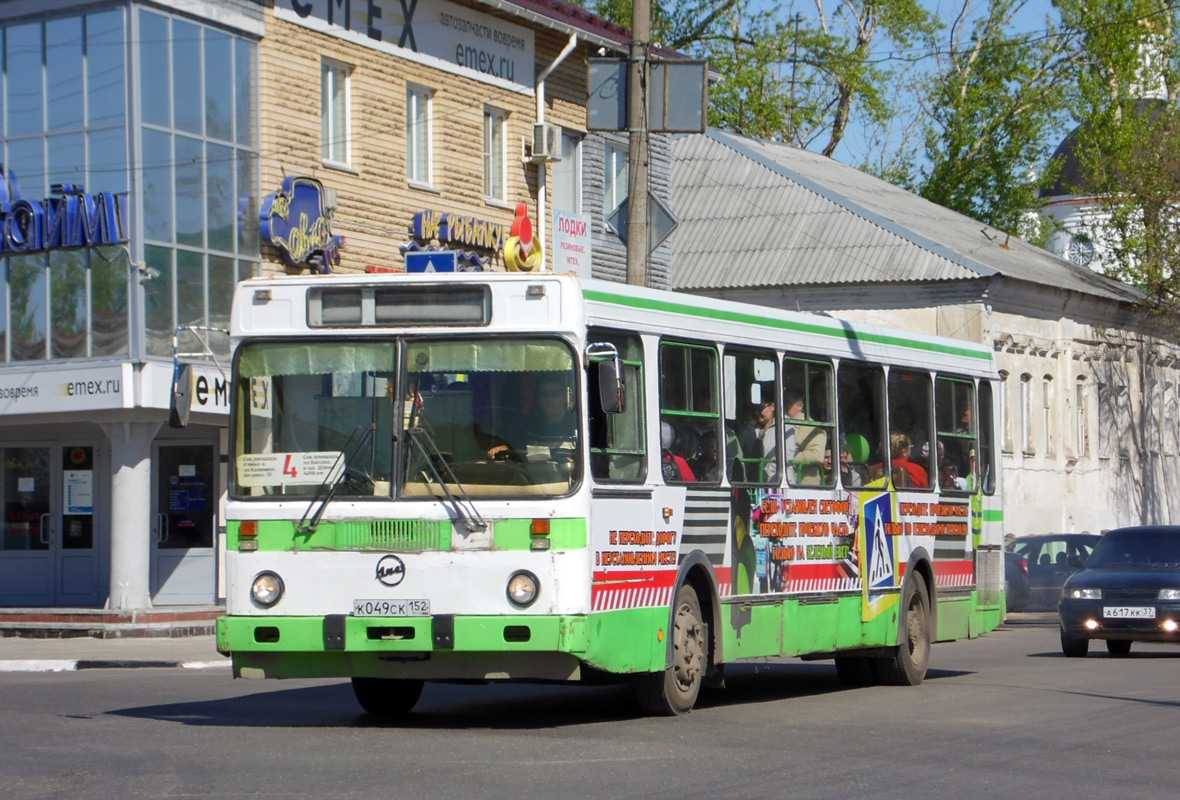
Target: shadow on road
(493,706)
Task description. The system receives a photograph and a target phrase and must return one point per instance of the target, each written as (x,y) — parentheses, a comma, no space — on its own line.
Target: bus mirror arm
(465,509)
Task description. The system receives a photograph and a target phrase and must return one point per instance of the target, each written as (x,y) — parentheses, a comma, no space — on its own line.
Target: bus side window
(985,450)
(749,378)
(688,410)
(617,451)
(860,393)
(808,428)
(910,406)
(954,414)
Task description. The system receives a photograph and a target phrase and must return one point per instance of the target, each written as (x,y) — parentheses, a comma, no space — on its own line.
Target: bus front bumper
(441,647)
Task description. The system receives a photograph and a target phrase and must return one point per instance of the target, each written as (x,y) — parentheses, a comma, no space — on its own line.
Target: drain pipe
(542,167)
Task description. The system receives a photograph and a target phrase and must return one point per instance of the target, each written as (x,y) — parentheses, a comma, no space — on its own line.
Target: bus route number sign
(289,469)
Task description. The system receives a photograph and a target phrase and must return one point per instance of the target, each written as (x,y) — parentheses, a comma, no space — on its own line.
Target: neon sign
(73,220)
(296,221)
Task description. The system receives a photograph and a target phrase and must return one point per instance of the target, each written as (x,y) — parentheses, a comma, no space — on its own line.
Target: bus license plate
(1129,612)
(391,608)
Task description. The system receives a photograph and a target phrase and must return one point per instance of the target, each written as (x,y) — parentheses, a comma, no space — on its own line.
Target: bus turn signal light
(540,527)
(248,535)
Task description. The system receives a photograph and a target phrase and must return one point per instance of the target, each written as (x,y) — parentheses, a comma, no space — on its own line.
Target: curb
(76,664)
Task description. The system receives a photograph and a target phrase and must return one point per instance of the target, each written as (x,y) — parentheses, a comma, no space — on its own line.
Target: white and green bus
(533,477)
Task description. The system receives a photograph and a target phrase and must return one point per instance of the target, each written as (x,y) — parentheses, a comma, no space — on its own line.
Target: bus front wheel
(386,697)
(907,665)
(675,690)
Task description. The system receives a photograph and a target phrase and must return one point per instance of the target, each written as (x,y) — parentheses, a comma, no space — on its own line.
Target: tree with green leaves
(797,73)
(1127,149)
(990,111)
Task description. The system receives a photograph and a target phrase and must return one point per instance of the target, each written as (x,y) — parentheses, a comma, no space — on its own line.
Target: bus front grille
(394,534)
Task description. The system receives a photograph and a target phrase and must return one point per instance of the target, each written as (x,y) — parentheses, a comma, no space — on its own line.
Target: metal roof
(755,213)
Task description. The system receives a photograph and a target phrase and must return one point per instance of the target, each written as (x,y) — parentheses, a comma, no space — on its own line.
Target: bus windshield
(490,418)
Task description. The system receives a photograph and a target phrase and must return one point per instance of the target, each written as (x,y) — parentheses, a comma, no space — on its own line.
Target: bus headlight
(523,588)
(267,589)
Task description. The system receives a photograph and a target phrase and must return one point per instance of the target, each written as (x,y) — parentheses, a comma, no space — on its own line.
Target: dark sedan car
(1051,557)
(1016,575)
(1129,591)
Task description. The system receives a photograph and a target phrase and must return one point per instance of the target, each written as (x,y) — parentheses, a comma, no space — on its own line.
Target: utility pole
(637,159)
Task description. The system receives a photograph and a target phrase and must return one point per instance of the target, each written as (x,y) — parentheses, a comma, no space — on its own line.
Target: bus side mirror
(181,402)
(612,388)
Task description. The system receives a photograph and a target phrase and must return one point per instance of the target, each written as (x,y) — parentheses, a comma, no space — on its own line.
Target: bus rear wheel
(387,697)
(911,656)
(675,690)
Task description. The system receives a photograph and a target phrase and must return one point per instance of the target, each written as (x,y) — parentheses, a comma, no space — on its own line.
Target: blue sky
(1030,19)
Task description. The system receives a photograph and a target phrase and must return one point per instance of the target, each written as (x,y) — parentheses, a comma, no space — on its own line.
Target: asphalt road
(999,717)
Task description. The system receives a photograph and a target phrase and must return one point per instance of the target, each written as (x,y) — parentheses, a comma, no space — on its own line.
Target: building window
(1005,414)
(334,119)
(198,178)
(1169,421)
(1046,413)
(418,135)
(615,185)
(567,175)
(63,119)
(495,177)
(1026,440)
(1081,421)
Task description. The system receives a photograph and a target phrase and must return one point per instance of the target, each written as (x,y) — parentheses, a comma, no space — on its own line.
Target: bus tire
(675,690)
(857,671)
(387,697)
(911,656)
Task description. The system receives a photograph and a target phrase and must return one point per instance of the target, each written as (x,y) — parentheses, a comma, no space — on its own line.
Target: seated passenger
(900,447)
(673,466)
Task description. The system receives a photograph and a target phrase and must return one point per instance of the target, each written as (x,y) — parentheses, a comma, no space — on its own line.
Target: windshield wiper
(323,498)
(464,509)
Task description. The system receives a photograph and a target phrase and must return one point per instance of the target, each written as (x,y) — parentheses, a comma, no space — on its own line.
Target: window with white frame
(334,116)
(567,175)
(495,161)
(615,180)
(1169,418)
(1081,419)
(1006,411)
(418,135)
(1046,413)
(1026,440)
(1155,411)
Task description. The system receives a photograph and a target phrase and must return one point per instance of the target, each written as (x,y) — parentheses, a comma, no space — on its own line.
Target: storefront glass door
(184,523)
(47,537)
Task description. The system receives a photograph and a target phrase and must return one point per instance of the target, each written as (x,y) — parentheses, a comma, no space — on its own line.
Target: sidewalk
(67,639)
(83,652)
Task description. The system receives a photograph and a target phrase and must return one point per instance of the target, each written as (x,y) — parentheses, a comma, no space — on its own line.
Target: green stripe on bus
(993,515)
(404,535)
(770,322)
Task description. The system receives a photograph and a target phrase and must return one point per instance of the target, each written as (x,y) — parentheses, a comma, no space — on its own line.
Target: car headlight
(1169,594)
(267,589)
(523,588)
(1082,594)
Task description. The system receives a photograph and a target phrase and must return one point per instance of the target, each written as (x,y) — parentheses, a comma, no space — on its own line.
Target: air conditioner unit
(546,142)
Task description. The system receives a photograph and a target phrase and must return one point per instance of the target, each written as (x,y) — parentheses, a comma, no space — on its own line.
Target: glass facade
(66,120)
(200,166)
